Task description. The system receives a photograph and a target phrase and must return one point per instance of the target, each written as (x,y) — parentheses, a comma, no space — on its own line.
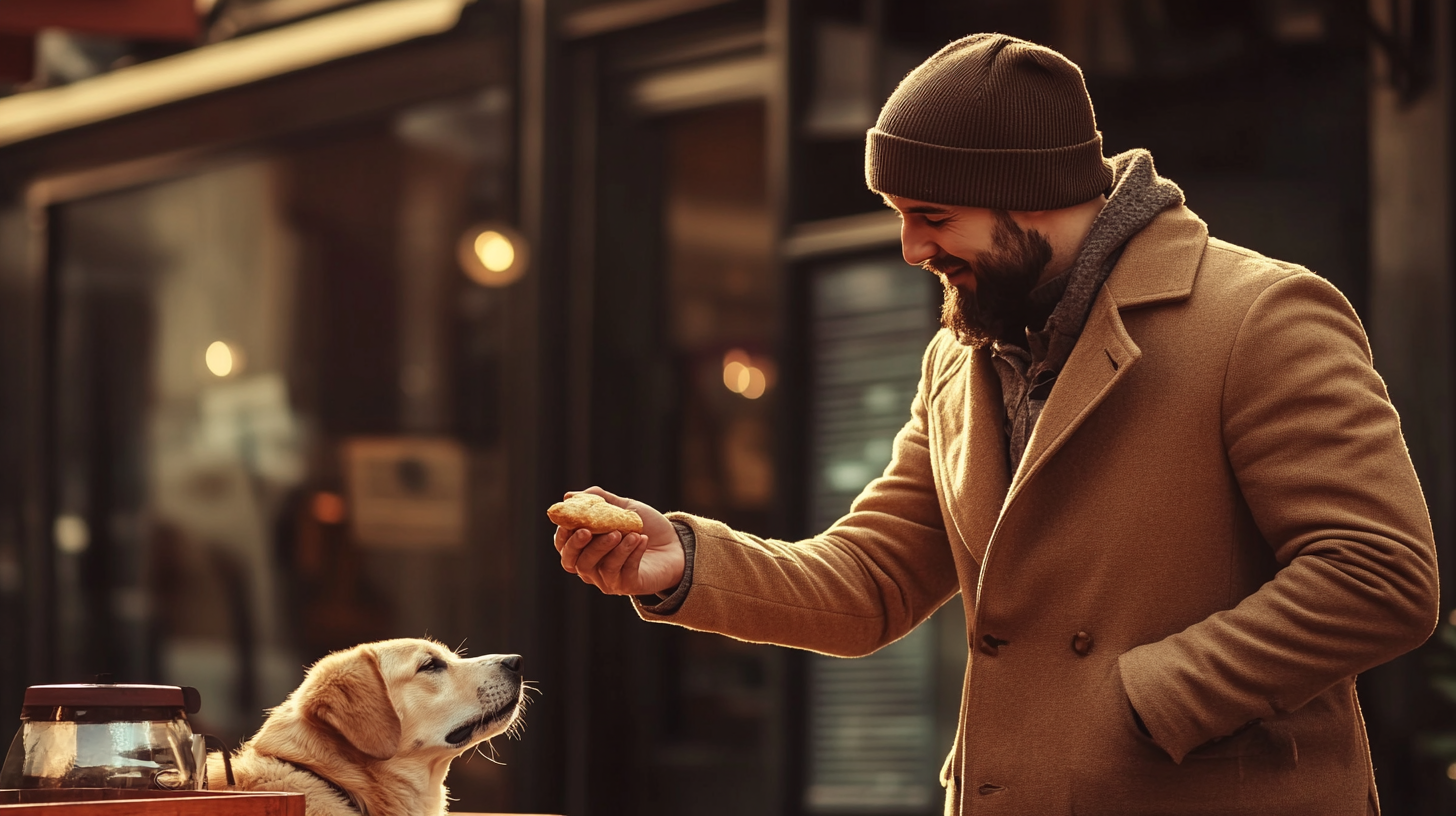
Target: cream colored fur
(374,720)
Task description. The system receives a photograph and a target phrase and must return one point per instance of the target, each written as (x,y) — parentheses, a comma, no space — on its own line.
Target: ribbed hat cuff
(1010,179)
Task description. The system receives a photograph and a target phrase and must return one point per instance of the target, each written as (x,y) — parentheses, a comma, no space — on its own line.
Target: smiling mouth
(960,277)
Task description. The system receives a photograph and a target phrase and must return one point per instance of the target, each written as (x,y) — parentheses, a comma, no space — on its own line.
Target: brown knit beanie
(989,121)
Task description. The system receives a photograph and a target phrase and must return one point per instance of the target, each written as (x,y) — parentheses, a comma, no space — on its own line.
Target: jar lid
(119,695)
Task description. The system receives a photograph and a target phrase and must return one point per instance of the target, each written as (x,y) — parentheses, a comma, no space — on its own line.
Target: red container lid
(120,695)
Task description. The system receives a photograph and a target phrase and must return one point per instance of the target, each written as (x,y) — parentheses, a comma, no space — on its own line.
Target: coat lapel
(1103,357)
(986,478)
(1158,266)
(972,448)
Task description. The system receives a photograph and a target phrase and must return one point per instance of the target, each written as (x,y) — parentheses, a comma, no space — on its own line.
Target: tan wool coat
(1216,523)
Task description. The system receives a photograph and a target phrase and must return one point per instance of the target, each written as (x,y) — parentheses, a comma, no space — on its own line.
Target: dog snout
(512,662)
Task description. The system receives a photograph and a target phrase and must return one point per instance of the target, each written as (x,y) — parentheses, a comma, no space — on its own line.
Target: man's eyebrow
(923,209)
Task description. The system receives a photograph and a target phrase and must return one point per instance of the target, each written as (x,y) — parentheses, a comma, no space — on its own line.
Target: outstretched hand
(625,564)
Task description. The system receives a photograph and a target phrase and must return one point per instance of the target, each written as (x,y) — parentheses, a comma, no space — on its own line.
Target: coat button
(991,645)
(1082,643)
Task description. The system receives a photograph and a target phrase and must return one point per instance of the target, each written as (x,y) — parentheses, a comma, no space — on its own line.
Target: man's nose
(915,246)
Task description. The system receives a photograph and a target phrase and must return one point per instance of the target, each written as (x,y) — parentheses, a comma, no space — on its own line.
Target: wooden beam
(133,19)
(608,18)
(227,64)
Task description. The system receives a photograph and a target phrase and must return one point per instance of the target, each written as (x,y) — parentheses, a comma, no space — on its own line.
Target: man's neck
(1067,231)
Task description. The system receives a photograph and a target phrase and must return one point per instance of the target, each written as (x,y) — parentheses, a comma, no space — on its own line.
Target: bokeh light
(495,251)
(328,508)
(493,254)
(746,375)
(219,359)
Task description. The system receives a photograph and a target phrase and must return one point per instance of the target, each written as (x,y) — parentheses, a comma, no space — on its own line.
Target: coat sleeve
(862,584)
(1316,448)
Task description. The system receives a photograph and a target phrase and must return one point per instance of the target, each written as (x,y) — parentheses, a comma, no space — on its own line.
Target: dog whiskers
(491,757)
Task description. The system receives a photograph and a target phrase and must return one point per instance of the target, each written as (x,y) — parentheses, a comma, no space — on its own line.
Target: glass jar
(105,736)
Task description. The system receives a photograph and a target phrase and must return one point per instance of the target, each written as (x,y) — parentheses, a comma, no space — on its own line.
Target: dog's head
(409,697)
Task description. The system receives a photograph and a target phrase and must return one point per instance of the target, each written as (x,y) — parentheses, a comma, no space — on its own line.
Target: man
(1159,468)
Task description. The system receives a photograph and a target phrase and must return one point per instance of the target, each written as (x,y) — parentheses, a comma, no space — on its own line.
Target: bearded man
(1159,469)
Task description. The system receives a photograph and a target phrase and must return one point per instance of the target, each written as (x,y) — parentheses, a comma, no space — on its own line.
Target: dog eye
(433,664)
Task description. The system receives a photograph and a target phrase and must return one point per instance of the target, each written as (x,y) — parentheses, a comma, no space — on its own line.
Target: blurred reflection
(721,721)
(276,403)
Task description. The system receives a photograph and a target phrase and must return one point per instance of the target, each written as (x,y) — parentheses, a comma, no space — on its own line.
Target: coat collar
(1158,267)
(1160,262)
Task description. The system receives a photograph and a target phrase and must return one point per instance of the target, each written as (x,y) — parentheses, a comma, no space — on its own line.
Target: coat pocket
(1120,770)
(1270,743)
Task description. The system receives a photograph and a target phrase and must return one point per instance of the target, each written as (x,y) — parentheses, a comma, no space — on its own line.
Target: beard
(999,308)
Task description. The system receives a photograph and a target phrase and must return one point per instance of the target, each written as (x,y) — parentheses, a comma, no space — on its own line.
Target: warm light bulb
(735,376)
(495,251)
(757,383)
(219,359)
(492,254)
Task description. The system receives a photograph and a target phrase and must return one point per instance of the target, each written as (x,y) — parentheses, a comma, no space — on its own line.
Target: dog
(372,730)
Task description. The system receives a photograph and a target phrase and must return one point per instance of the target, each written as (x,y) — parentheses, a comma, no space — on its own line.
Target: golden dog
(372,730)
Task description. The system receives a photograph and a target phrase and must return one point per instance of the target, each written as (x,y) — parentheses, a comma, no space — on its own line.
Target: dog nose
(512,662)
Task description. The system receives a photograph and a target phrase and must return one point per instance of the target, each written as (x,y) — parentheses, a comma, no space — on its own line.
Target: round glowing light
(746,375)
(495,251)
(734,376)
(328,508)
(735,370)
(756,385)
(220,359)
(493,254)
(1451,771)
(72,534)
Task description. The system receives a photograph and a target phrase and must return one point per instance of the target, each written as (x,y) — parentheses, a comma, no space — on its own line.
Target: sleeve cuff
(668,603)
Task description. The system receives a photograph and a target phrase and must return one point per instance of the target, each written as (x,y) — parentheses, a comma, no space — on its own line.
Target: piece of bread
(588,511)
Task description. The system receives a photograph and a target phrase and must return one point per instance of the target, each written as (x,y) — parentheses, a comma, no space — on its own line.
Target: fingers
(603,561)
(633,565)
(562,536)
(600,547)
(611,575)
(572,545)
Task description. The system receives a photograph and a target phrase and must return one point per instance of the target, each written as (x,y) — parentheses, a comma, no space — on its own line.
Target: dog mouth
(460,736)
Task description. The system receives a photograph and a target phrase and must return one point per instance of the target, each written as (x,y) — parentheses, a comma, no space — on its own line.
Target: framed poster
(406,492)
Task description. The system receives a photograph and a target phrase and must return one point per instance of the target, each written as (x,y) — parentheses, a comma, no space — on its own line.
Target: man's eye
(936,222)
(433,664)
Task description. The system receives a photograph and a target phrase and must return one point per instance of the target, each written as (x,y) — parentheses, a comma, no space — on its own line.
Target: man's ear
(350,696)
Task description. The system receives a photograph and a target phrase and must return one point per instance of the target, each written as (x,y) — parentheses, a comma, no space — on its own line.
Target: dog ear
(351,697)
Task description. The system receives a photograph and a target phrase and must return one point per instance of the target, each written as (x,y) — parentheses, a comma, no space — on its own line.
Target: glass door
(283,414)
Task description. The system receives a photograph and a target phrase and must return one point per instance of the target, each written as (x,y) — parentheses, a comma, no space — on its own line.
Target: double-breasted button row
(990,645)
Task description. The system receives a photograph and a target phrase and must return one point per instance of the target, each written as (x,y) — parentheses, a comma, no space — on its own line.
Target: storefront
(256,407)
(267,413)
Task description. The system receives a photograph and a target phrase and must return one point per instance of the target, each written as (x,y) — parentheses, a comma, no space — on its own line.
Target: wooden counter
(112,802)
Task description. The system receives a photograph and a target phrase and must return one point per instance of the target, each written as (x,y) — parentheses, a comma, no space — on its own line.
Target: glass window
(721,721)
(280,408)
(878,725)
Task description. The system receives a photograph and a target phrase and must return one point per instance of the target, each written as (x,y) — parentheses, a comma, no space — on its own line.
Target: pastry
(588,511)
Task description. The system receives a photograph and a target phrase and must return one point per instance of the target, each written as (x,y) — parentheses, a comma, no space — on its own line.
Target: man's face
(987,262)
